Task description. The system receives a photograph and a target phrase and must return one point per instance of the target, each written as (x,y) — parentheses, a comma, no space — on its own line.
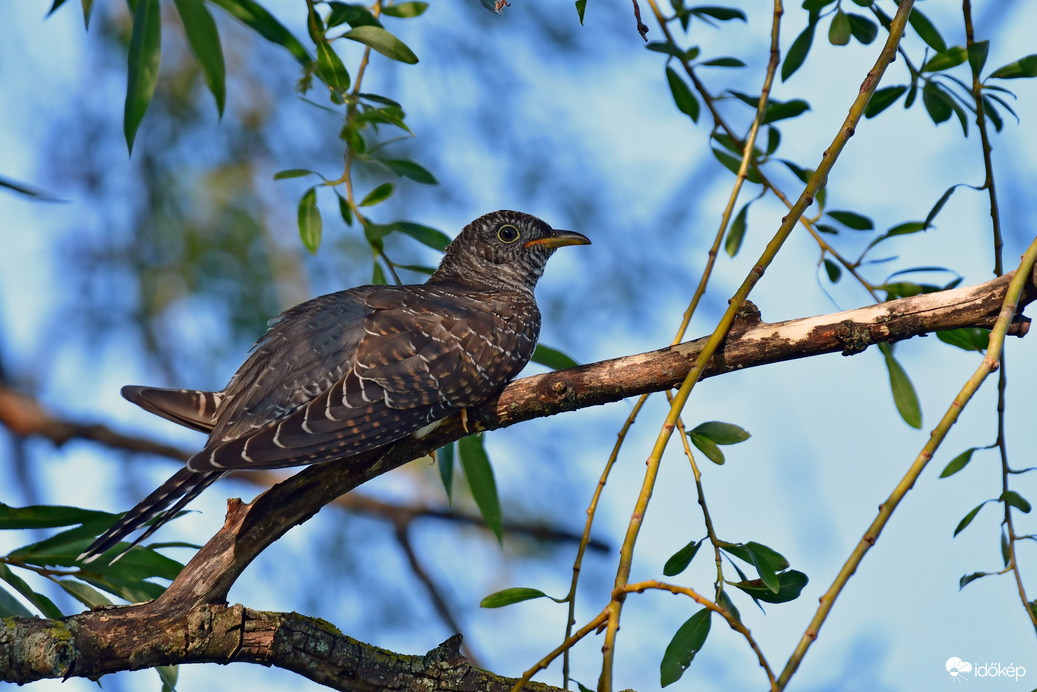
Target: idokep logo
(960,670)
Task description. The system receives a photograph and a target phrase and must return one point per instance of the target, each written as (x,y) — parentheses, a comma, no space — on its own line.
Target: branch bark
(171,628)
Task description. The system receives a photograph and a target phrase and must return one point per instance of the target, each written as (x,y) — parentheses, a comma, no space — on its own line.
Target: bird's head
(503,249)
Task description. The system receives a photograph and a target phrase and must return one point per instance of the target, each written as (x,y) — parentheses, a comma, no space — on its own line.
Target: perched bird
(359,369)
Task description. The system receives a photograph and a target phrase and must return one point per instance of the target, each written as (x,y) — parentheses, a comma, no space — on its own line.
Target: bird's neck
(485,275)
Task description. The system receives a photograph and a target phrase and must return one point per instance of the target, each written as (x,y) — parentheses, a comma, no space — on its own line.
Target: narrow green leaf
(733,163)
(204,40)
(904,395)
(857,222)
(405,10)
(952,57)
(1020,69)
(379,194)
(168,675)
(969,578)
(28,191)
(936,102)
(84,593)
(839,29)
(777,110)
(798,51)
(907,227)
(707,447)
(681,650)
(144,55)
(11,606)
(723,14)
(479,474)
(88,8)
(255,16)
(862,28)
(666,48)
(725,602)
(722,62)
(967,519)
(54,7)
(409,169)
(515,594)
(310,224)
(978,52)
(939,205)
(552,358)
(581,7)
(958,463)
(790,585)
(1011,497)
(426,235)
(682,95)
(680,560)
(966,338)
(1006,548)
(722,433)
(926,31)
(833,270)
(330,68)
(293,173)
(382,41)
(38,600)
(351,14)
(343,209)
(378,277)
(736,232)
(883,99)
(47,516)
(445,461)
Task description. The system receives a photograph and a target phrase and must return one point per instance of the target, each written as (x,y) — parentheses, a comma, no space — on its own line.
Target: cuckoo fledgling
(356,370)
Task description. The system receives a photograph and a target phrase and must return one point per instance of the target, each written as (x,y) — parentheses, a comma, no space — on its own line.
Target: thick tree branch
(249,529)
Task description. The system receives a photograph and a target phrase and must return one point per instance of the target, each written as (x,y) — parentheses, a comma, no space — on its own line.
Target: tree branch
(132,637)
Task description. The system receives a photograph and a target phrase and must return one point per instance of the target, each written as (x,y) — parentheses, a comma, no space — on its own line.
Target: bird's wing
(416,357)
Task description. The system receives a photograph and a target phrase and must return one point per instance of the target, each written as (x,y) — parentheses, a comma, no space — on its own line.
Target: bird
(359,369)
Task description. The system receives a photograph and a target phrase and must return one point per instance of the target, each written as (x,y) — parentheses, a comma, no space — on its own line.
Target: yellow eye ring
(508,234)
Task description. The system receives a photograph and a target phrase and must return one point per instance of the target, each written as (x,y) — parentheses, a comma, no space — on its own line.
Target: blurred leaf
(11,606)
(204,40)
(862,28)
(722,14)
(839,29)
(55,6)
(857,222)
(46,516)
(722,62)
(445,461)
(733,163)
(1020,69)
(682,95)
(991,112)
(353,15)
(666,48)
(409,169)
(883,99)
(958,463)
(722,433)
(552,358)
(515,594)
(1011,497)
(777,110)
(310,224)
(681,650)
(379,194)
(84,593)
(966,338)
(926,31)
(978,56)
(725,602)
(707,447)
(144,54)
(382,41)
(906,228)
(967,519)
(736,232)
(294,173)
(378,277)
(952,57)
(790,584)
(833,270)
(255,16)
(330,68)
(680,560)
(798,51)
(1006,548)
(426,235)
(38,600)
(343,209)
(936,103)
(168,675)
(405,10)
(904,395)
(23,189)
(479,474)
(581,7)
(969,578)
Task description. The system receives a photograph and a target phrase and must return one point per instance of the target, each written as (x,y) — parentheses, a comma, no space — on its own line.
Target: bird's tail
(174,494)
(192,408)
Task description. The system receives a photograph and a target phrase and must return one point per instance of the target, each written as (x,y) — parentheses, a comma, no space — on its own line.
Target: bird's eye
(507,234)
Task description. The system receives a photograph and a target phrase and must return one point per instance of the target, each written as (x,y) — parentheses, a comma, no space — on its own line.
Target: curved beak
(561,239)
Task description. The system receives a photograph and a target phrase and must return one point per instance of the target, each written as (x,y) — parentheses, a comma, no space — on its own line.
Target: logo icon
(957,667)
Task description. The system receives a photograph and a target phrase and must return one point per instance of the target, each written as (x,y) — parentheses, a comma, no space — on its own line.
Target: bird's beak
(561,239)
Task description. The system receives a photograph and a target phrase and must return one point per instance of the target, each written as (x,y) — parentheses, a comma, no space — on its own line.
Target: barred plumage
(356,370)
